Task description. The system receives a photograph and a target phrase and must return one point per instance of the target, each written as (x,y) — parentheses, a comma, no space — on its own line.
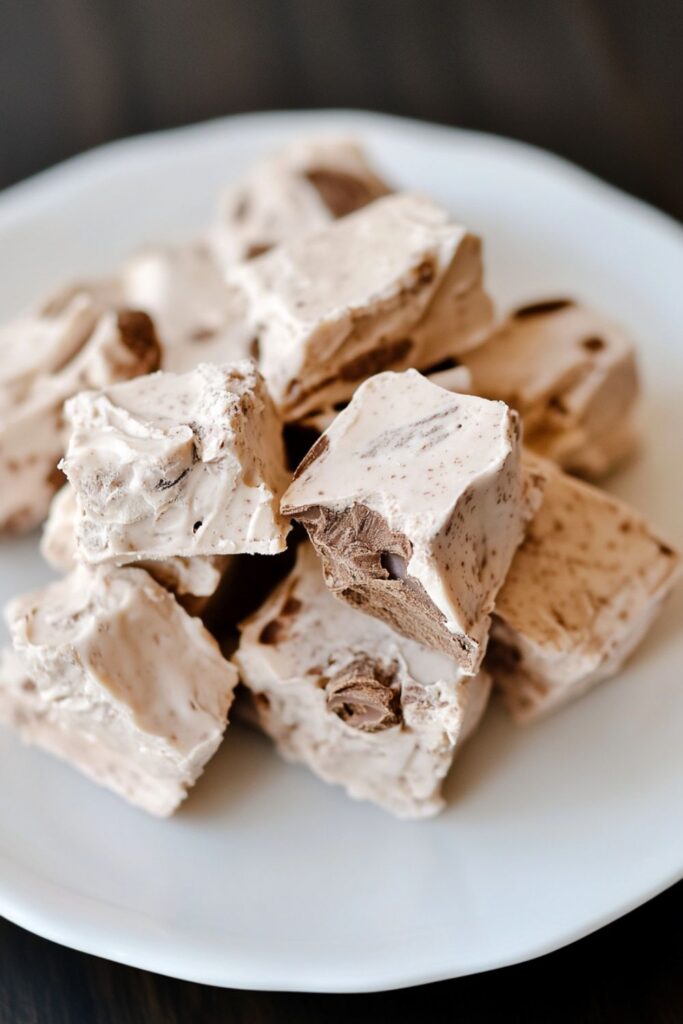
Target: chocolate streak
(364,563)
(342,193)
(365,695)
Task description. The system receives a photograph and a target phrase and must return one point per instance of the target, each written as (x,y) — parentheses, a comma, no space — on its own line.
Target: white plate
(269,879)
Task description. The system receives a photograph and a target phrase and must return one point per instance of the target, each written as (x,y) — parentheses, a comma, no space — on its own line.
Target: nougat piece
(572,375)
(120,682)
(395,285)
(582,591)
(299,189)
(32,432)
(415,500)
(196,577)
(42,340)
(199,318)
(361,705)
(177,465)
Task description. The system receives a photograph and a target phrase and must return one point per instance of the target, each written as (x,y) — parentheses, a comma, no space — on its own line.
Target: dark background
(598,81)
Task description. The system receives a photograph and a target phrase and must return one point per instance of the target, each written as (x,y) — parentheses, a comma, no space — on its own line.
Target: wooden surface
(599,81)
(628,973)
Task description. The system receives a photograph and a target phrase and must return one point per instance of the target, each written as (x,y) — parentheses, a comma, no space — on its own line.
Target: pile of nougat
(302,454)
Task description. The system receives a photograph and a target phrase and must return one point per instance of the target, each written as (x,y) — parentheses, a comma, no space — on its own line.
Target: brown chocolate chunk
(139,335)
(272,632)
(376,360)
(363,537)
(257,249)
(365,696)
(341,193)
(55,478)
(364,563)
(425,273)
(540,308)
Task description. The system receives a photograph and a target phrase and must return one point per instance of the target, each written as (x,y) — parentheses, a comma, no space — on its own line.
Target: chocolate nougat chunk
(415,500)
(359,704)
(112,675)
(101,349)
(396,285)
(299,189)
(572,375)
(177,465)
(583,589)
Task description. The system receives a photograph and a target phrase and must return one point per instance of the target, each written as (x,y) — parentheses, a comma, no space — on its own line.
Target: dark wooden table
(629,973)
(599,81)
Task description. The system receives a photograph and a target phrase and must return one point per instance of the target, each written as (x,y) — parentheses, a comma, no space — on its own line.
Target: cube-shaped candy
(119,681)
(582,591)
(572,376)
(42,340)
(395,285)
(32,433)
(291,193)
(177,465)
(415,499)
(361,705)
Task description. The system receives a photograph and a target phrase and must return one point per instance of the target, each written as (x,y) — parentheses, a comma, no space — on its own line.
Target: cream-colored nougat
(361,705)
(198,317)
(582,591)
(44,339)
(177,465)
(573,377)
(415,500)
(198,576)
(395,285)
(295,191)
(120,682)
(32,433)
(58,539)
(19,697)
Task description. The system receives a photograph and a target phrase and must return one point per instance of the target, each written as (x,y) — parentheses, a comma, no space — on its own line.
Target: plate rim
(149,954)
